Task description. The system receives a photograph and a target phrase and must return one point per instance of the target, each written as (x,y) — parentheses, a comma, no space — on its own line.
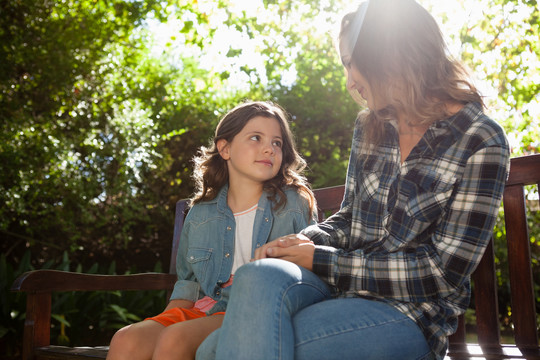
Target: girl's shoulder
(295,198)
(292,192)
(300,204)
(202,209)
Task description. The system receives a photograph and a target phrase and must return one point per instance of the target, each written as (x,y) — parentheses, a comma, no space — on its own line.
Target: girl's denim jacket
(206,250)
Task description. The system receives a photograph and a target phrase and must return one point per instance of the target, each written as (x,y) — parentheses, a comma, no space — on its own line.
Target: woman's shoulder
(483,128)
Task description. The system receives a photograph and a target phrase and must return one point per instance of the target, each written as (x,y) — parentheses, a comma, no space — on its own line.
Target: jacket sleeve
(186,286)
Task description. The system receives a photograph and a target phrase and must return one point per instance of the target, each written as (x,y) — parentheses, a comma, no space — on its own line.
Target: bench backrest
(524,170)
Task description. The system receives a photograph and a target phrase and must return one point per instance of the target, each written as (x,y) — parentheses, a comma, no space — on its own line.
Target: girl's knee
(135,341)
(122,337)
(125,342)
(175,343)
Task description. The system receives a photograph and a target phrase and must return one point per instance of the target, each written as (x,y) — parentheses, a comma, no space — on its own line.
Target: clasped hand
(295,248)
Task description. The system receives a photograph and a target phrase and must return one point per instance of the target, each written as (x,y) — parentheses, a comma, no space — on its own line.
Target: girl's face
(255,153)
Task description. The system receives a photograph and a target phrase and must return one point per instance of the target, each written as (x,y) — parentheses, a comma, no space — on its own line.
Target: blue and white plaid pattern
(411,234)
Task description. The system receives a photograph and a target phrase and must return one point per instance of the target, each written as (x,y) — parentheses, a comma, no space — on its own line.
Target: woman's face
(356,82)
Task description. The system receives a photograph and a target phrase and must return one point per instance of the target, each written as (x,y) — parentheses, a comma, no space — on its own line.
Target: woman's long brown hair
(401,52)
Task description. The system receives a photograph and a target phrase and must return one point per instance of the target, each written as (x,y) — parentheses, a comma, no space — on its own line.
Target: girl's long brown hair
(401,52)
(211,173)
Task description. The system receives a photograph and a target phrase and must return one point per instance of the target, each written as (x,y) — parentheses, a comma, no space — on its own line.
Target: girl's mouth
(265,162)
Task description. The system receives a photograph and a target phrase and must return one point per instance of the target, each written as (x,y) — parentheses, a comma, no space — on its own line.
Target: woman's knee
(263,273)
(207,350)
(268,279)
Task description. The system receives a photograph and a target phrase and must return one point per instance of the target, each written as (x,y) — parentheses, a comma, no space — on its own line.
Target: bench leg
(37,326)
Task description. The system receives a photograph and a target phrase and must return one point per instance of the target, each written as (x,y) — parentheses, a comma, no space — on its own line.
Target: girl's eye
(255,137)
(277,143)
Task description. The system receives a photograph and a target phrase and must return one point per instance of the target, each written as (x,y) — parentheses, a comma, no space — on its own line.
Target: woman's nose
(350,81)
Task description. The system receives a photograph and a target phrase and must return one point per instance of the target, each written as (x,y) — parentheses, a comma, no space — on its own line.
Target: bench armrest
(54,280)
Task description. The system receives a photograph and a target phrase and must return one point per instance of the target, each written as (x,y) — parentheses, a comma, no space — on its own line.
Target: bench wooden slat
(63,353)
(328,199)
(37,325)
(486,302)
(54,280)
(181,208)
(520,271)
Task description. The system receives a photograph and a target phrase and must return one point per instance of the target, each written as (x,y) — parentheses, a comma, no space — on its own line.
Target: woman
(424,184)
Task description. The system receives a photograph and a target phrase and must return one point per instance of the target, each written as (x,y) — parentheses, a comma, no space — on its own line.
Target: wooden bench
(40,284)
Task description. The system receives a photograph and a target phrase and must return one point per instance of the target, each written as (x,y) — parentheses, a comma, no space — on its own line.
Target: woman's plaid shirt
(411,234)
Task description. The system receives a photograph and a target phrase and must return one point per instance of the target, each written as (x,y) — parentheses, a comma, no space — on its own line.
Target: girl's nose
(269,148)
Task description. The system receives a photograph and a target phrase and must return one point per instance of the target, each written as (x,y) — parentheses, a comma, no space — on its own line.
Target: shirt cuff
(313,232)
(186,290)
(323,258)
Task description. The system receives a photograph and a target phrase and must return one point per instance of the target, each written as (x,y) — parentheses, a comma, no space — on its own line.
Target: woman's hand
(295,248)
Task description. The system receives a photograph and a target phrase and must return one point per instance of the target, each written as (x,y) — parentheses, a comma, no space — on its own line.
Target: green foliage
(85,156)
(323,113)
(503,47)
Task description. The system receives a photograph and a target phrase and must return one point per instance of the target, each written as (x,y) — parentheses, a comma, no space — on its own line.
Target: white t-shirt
(243,236)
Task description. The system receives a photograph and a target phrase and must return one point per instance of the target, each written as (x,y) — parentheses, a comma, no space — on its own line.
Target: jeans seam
(281,310)
(350,330)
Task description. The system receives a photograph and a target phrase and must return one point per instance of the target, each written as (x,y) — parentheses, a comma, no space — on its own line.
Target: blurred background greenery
(103,103)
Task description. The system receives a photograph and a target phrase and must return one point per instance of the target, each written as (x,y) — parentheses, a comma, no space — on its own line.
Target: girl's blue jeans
(279,310)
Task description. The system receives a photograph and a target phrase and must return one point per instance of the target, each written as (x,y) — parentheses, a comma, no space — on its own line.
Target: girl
(423,188)
(249,189)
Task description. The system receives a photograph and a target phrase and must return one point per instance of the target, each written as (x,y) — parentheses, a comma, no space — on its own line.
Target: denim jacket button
(266,219)
(228,228)
(227,255)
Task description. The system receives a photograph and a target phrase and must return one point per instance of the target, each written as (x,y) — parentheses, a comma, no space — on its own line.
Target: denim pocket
(199,258)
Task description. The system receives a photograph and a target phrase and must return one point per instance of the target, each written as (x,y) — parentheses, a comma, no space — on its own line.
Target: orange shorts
(176,315)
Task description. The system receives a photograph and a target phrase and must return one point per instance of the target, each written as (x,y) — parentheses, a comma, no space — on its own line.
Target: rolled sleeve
(186,290)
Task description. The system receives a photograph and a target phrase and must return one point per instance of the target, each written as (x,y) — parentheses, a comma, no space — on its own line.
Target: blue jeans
(279,310)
